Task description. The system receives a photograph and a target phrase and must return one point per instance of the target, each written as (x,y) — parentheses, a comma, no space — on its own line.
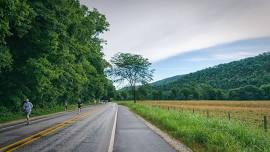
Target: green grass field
(249,112)
(204,134)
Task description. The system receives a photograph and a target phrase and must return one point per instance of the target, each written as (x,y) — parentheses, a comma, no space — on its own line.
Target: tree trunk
(134,93)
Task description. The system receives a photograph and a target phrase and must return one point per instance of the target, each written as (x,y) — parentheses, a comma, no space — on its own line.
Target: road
(90,131)
(132,135)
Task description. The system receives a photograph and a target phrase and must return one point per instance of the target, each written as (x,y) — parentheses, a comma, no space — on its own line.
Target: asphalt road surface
(89,131)
(132,135)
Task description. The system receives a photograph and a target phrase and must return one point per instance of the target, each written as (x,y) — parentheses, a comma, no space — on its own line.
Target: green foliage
(15,18)
(167,80)
(5,59)
(131,68)
(248,92)
(266,91)
(50,52)
(205,134)
(246,79)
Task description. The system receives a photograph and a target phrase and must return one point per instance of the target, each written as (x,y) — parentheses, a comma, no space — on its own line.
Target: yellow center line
(43,133)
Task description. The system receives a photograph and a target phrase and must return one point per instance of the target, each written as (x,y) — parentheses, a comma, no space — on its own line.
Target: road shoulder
(177,145)
(133,135)
(21,122)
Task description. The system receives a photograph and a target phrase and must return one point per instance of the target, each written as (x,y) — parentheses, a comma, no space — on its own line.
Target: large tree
(131,68)
(50,52)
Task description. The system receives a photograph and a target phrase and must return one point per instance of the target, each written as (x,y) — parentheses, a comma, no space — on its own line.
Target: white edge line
(177,145)
(113,131)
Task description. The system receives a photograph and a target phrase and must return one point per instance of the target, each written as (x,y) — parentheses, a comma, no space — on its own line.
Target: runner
(66,104)
(79,106)
(27,107)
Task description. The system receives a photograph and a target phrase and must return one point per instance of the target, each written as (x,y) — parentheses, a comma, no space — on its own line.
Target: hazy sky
(182,36)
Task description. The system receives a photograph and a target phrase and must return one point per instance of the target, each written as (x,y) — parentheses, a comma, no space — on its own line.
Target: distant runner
(79,106)
(27,108)
(66,104)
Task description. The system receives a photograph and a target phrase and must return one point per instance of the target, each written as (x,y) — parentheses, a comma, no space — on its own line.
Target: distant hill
(243,79)
(166,80)
(249,71)
(159,83)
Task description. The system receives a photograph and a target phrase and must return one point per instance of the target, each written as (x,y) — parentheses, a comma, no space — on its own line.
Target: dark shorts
(27,112)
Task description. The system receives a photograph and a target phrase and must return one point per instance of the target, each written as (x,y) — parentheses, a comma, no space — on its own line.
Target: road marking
(177,145)
(21,122)
(113,131)
(43,133)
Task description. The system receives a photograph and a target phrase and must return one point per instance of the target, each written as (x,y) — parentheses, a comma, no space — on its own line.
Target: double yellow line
(43,133)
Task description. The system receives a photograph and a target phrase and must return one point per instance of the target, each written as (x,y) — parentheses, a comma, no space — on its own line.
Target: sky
(183,36)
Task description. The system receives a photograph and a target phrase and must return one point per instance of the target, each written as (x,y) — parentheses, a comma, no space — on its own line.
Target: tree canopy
(50,52)
(132,68)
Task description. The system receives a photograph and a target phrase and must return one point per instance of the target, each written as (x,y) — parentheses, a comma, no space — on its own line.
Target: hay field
(249,112)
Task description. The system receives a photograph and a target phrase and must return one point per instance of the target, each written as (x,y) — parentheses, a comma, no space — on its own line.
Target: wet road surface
(132,135)
(89,131)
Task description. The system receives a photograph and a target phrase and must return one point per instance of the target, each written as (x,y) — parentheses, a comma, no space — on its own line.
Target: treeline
(200,92)
(247,79)
(50,52)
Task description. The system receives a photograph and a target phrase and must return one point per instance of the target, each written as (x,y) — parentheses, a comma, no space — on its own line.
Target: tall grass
(248,112)
(204,134)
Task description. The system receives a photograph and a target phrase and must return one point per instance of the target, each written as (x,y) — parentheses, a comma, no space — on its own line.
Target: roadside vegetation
(203,134)
(251,113)
(50,52)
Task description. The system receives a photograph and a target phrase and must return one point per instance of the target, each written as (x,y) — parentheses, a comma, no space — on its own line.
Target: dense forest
(51,52)
(246,79)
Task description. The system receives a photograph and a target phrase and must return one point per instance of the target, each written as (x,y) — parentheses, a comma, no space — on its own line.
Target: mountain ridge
(244,79)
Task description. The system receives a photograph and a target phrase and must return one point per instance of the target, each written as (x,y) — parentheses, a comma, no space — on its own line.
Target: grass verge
(204,134)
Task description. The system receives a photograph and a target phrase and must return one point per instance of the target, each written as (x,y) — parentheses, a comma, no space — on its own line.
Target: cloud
(203,58)
(223,56)
(160,29)
(233,56)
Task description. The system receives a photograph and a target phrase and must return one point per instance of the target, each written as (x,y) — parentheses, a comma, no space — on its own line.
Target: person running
(79,106)
(66,106)
(27,107)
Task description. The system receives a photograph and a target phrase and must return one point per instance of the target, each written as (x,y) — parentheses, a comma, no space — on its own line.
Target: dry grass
(248,112)
(201,133)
